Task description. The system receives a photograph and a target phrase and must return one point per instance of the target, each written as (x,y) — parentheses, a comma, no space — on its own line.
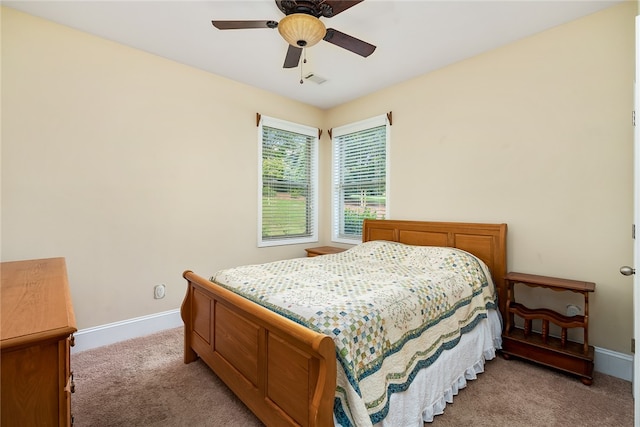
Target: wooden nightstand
(323,250)
(557,352)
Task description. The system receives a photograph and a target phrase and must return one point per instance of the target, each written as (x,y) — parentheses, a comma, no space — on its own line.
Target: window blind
(360,175)
(287,183)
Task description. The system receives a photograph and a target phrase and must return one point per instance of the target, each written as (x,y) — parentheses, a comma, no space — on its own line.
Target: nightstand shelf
(556,352)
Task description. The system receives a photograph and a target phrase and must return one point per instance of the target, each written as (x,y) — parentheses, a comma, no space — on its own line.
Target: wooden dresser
(36,327)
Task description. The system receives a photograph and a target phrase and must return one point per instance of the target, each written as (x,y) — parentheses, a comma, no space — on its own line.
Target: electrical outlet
(158,291)
(573,310)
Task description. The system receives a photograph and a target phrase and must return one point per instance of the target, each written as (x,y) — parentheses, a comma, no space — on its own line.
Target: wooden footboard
(285,373)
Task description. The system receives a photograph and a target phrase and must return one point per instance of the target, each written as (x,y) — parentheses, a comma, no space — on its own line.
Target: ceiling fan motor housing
(315,8)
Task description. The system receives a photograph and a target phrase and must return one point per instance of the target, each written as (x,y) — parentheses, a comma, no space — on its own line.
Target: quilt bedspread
(390,308)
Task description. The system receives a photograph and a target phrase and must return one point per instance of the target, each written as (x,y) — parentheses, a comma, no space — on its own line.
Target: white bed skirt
(435,386)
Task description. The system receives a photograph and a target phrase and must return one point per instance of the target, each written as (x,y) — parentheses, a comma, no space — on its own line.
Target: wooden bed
(286,373)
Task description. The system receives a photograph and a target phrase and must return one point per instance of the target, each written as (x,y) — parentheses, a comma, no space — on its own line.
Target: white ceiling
(413,37)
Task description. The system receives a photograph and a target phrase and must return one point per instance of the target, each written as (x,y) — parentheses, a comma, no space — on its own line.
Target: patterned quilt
(391,309)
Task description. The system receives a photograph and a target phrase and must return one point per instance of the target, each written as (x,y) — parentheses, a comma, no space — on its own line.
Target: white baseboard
(608,362)
(613,363)
(111,333)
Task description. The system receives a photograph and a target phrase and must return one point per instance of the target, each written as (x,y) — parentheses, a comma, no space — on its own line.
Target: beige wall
(536,134)
(136,168)
(131,166)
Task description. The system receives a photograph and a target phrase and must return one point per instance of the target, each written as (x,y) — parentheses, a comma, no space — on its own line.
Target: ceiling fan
(301,27)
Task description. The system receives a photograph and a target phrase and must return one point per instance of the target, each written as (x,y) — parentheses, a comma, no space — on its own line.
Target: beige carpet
(143,382)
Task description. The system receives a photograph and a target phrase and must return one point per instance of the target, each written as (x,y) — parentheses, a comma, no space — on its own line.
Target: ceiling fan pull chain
(304,61)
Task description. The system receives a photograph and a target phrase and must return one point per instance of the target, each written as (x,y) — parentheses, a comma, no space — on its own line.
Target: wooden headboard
(486,241)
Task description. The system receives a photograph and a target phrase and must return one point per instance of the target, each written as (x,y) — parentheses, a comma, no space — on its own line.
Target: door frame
(636,220)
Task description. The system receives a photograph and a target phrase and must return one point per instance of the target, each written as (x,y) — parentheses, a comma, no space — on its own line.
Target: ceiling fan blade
(241,25)
(340,6)
(348,42)
(293,57)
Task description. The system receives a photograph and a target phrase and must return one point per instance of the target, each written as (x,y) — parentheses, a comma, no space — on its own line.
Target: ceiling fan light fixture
(301,30)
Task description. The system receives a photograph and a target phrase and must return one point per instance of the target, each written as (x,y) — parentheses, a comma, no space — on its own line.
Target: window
(287,200)
(360,176)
